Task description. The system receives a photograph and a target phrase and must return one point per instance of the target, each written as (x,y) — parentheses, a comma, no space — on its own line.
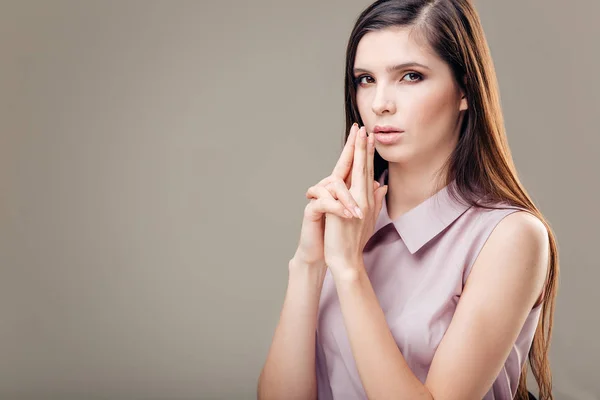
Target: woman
(437,287)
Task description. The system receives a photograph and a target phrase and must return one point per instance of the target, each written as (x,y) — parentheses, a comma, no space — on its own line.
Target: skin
(425,102)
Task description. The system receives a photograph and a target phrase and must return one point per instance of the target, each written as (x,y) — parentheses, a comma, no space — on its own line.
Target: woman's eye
(359,79)
(415,76)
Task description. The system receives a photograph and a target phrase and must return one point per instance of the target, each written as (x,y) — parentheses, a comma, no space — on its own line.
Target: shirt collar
(422,223)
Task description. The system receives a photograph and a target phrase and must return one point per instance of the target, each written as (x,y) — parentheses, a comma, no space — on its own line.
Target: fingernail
(347,213)
(358,212)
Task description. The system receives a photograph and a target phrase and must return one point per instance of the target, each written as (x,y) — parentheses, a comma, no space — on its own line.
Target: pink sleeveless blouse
(418,265)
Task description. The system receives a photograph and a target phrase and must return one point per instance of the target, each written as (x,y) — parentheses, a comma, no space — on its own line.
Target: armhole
(486,236)
(540,299)
(483,240)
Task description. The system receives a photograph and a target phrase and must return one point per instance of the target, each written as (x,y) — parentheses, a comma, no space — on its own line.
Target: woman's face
(423,101)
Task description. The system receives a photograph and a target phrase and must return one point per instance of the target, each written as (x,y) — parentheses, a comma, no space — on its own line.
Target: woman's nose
(383,102)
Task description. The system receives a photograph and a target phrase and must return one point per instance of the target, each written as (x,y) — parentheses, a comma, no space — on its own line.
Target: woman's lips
(388,137)
(386,129)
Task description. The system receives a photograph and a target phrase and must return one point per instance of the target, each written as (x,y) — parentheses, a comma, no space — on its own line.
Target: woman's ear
(464,105)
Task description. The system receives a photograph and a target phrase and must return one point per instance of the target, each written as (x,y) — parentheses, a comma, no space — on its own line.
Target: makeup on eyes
(417,77)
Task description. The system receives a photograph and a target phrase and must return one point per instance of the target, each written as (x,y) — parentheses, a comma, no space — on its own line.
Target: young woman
(424,270)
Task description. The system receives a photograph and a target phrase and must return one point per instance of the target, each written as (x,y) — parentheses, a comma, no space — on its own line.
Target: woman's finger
(359,167)
(370,168)
(323,205)
(314,192)
(344,163)
(343,166)
(334,193)
(348,181)
(325,181)
(340,192)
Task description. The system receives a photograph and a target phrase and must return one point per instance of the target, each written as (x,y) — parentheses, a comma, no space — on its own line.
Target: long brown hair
(481,163)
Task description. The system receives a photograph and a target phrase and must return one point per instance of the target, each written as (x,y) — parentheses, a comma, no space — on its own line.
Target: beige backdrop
(154,160)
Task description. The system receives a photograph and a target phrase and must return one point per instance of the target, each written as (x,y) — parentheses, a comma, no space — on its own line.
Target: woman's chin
(395,155)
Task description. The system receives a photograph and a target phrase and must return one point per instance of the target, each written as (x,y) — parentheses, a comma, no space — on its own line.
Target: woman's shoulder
(500,208)
(507,217)
(520,222)
(522,241)
(506,229)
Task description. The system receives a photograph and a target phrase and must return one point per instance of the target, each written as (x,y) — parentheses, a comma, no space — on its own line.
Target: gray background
(153,162)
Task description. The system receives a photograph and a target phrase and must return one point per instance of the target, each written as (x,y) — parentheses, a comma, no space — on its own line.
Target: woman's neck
(407,188)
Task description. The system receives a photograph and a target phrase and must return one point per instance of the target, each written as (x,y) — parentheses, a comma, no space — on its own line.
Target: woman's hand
(345,239)
(330,195)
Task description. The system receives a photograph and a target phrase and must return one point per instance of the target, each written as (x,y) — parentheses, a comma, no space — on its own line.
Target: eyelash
(420,78)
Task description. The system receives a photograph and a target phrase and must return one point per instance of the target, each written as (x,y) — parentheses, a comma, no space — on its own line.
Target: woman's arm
(289,371)
(502,288)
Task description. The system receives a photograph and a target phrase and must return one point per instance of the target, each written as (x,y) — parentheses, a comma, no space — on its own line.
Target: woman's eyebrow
(394,68)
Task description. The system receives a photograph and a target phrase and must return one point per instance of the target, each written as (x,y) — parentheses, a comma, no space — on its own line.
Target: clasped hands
(352,183)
